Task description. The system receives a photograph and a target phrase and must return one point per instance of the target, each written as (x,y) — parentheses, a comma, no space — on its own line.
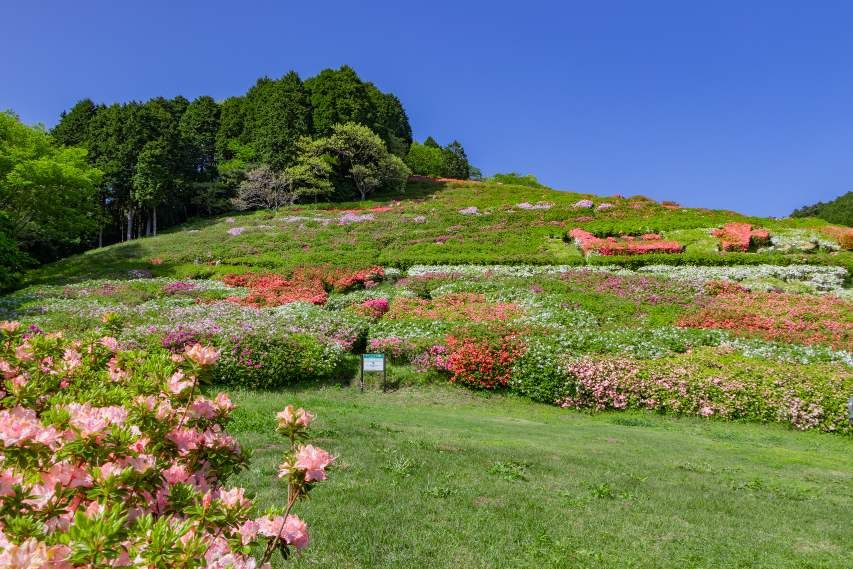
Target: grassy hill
(425,226)
(547,406)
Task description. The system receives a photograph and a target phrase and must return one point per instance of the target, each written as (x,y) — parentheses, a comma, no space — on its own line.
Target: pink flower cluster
(78,460)
(740,236)
(374,307)
(235,231)
(537,205)
(624,245)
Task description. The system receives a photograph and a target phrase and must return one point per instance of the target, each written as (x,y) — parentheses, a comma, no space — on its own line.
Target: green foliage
(359,160)
(277,114)
(839,210)
(340,96)
(425,160)
(47,194)
(517,179)
(432,160)
(267,362)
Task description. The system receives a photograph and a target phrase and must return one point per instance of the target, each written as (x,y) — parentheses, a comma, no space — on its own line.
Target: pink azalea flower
(66,475)
(234,498)
(7,370)
(288,417)
(9,326)
(176,384)
(313,461)
(203,408)
(292,530)
(223,403)
(185,439)
(24,352)
(72,358)
(8,479)
(203,355)
(176,474)
(248,531)
(109,343)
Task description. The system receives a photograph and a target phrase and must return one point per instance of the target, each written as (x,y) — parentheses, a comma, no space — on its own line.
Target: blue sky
(743,105)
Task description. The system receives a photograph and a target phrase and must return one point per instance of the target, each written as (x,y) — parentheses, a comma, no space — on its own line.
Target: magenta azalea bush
(112,458)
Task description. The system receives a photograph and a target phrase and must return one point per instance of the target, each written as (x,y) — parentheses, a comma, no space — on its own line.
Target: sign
(373,362)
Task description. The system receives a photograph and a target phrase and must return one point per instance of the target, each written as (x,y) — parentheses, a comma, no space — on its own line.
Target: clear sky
(744,104)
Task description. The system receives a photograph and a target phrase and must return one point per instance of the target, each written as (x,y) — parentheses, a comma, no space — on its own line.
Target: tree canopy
(47,195)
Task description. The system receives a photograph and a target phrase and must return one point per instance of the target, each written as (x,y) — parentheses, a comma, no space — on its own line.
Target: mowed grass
(435,476)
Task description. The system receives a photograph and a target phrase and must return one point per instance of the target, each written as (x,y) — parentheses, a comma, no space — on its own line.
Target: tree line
(152,164)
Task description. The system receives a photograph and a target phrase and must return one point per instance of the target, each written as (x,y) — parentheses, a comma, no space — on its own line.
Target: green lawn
(435,476)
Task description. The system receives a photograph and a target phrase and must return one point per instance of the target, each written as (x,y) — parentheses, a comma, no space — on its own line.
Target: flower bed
(741,237)
(469,307)
(112,458)
(778,316)
(304,285)
(699,385)
(624,245)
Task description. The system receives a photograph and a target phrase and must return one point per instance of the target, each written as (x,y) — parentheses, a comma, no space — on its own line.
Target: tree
(430,141)
(456,162)
(360,160)
(232,119)
(425,160)
(839,210)
(277,115)
(337,97)
(47,193)
(390,121)
(152,178)
(264,188)
(198,128)
(73,126)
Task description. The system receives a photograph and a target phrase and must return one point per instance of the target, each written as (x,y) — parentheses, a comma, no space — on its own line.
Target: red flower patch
(740,236)
(785,317)
(482,363)
(305,285)
(624,245)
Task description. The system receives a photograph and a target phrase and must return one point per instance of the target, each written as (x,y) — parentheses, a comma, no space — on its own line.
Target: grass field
(425,226)
(436,476)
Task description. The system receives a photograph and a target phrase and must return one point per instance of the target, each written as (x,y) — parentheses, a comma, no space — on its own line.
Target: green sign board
(373,362)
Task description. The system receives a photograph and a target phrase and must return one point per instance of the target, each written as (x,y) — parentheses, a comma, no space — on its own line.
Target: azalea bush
(798,318)
(737,236)
(113,458)
(271,362)
(712,383)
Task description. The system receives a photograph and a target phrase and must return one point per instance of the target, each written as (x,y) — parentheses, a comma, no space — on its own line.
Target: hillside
(448,223)
(839,210)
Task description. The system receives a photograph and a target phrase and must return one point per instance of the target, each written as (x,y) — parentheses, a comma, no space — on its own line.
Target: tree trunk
(100,236)
(129,223)
(155,220)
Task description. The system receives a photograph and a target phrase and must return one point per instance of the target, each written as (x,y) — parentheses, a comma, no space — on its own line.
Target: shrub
(712,383)
(537,373)
(482,359)
(111,459)
(269,362)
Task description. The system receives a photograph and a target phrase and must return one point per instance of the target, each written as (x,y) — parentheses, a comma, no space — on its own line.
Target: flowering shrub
(583,204)
(537,205)
(799,318)
(235,231)
(469,307)
(696,384)
(638,288)
(113,459)
(472,210)
(484,360)
(625,245)
(373,307)
(350,217)
(275,290)
(397,349)
(267,362)
(843,235)
(740,237)
(178,287)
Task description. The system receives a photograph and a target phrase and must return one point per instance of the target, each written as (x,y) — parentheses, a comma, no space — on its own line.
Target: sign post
(373,362)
